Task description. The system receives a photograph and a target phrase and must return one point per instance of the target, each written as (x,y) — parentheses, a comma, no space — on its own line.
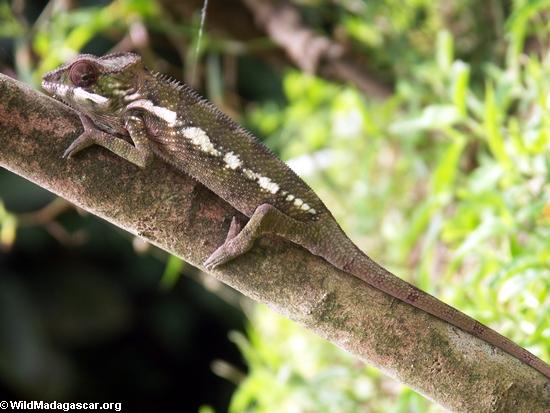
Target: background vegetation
(445,179)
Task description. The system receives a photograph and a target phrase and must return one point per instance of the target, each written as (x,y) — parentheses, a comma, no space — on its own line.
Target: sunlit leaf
(432,117)
(460,82)
(8,228)
(444,50)
(172,272)
(448,167)
(518,22)
(494,136)
(9,26)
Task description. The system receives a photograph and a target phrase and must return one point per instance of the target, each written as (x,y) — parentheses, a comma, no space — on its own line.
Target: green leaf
(172,271)
(444,50)
(8,228)
(448,166)
(460,82)
(432,117)
(518,22)
(492,125)
(206,409)
(9,26)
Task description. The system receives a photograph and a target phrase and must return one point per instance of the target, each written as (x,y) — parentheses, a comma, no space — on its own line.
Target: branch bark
(462,373)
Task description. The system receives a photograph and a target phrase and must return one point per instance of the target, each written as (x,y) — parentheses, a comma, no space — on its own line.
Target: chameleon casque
(119,100)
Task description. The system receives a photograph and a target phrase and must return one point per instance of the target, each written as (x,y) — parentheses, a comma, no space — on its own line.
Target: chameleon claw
(82,142)
(226,252)
(234,229)
(216,259)
(85,140)
(68,153)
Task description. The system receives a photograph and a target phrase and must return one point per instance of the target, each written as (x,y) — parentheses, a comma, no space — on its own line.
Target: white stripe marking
(82,95)
(199,138)
(169,116)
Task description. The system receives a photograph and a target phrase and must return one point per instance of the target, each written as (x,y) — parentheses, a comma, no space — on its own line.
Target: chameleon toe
(71,150)
(82,142)
(211,262)
(218,257)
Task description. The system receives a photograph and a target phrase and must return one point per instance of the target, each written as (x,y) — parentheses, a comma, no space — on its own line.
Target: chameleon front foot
(138,154)
(82,142)
(85,140)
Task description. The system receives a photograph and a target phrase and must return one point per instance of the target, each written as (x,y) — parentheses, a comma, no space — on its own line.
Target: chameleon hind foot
(266,219)
(227,250)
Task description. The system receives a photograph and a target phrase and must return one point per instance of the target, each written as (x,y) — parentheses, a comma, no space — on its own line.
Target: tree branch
(298,43)
(169,209)
(312,52)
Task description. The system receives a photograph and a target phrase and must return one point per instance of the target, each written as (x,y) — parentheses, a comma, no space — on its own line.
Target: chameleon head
(96,86)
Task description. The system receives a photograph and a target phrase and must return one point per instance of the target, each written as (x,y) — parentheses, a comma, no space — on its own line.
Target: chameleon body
(138,114)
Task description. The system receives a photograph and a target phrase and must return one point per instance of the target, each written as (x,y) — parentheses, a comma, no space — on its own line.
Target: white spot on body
(268,184)
(113,85)
(232,161)
(83,96)
(169,116)
(133,96)
(263,181)
(300,204)
(250,174)
(124,92)
(199,138)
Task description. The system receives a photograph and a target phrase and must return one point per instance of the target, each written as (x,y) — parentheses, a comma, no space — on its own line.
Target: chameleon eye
(83,74)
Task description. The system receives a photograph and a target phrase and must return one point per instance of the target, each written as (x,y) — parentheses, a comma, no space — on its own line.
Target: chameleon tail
(361,266)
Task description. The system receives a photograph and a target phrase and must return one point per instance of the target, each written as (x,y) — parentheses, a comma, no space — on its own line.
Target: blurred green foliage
(446,182)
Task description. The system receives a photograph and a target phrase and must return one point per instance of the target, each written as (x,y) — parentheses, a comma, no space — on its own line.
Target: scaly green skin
(119,100)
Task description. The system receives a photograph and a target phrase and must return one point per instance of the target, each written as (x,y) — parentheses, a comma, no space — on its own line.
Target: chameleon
(139,114)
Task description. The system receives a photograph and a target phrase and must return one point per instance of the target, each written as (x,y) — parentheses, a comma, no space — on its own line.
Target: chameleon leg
(139,154)
(234,229)
(266,220)
(84,140)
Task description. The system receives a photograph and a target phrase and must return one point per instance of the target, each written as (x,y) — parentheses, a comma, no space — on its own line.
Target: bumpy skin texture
(119,101)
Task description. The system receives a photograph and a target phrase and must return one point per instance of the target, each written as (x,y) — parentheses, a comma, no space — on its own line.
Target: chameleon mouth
(57,91)
(55,88)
